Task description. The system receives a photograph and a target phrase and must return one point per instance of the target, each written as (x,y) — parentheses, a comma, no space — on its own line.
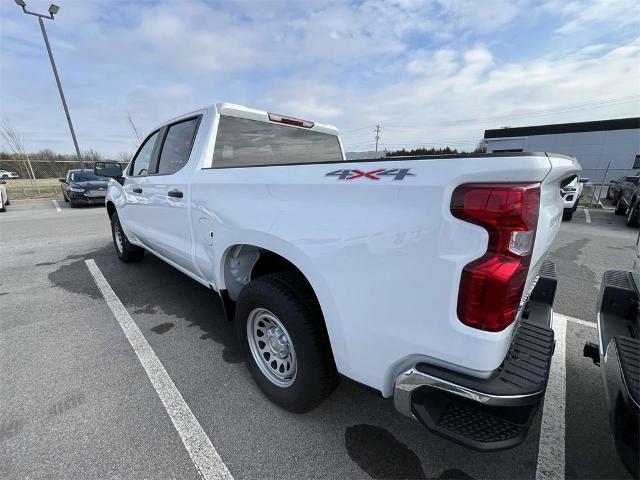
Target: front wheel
(126,251)
(280,326)
(567,214)
(633,215)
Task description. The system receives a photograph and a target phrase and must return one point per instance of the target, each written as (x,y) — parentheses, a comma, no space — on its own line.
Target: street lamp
(53,9)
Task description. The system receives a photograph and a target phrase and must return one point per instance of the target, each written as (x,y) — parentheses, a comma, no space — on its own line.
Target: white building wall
(594,150)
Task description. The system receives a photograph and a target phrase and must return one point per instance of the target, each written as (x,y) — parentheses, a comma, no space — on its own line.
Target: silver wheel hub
(118,237)
(271,347)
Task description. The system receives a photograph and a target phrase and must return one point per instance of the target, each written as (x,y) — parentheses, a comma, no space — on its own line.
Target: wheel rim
(271,347)
(117,237)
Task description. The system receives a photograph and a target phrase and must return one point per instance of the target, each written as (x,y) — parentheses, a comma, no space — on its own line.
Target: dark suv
(628,201)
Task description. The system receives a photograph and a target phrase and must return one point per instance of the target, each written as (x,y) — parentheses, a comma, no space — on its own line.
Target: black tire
(633,215)
(289,298)
(567,214)
(620,208)
(66,199)
(8,202)
(126,251)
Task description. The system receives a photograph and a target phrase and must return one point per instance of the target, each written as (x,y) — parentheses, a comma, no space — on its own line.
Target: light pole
(53,9)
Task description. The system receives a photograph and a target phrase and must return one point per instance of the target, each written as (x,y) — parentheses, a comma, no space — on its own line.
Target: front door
(132,213)
(166,192)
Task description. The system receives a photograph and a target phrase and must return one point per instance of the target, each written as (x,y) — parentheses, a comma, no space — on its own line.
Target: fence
(46,173)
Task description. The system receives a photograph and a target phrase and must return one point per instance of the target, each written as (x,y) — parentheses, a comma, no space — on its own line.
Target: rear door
(166,194)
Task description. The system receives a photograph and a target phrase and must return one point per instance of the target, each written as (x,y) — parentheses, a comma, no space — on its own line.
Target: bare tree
(481,147)
(124,157)
(137,134)
(15,140)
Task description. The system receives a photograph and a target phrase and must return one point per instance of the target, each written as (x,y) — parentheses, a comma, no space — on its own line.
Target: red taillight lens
(491,287)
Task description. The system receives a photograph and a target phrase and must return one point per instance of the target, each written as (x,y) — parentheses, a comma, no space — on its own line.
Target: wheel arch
(242,262)
(111,208)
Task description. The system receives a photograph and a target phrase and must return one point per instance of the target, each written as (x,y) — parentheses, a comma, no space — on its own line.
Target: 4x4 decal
(396,173)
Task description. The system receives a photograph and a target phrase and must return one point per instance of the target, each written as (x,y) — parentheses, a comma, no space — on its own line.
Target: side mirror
(583,180)
(107,169)
(62,180)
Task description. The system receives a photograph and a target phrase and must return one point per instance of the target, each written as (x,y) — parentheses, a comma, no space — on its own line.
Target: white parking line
(551,455)
(577,320)
(57,205)
(198,445)
(587,214)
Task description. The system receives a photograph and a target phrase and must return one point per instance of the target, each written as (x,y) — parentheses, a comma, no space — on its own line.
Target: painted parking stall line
(197,443)
(587,215)
(57,205)
(551,449)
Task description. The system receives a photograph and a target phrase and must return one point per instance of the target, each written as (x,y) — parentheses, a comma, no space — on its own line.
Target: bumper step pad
(522,377)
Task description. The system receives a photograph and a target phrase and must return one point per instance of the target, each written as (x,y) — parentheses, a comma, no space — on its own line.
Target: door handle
(175,193)
(137,190)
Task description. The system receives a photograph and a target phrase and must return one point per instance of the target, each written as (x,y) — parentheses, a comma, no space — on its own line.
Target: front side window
(177,146)
(140,164)
(243,143)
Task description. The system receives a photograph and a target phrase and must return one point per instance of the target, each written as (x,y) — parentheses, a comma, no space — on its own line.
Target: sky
(429,72)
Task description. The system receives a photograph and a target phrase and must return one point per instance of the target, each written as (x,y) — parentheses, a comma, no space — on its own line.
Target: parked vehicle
(83,187)
(614,189)
(4,198)
(571,194)
(6,174)
(627,203)
(421,277)
(618,354)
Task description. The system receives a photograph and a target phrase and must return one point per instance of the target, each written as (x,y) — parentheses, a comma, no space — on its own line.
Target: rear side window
(245,143)
(177,146)
(140,164)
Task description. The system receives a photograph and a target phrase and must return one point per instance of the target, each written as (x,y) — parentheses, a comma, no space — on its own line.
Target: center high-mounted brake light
(274,117)
(491,287)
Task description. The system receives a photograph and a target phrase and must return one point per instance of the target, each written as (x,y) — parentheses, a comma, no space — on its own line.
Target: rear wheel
(126,251)
(567,214)
(280,326)
(620,208)
(633,215)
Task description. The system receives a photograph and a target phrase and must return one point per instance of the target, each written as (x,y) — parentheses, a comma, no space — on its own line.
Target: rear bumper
(493,413)
(619,349)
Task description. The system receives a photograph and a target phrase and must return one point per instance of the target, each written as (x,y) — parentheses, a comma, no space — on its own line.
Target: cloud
(417,67)
(579,15)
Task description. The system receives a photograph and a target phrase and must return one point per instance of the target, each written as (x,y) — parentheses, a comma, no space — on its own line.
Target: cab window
(140,164)
(176,147)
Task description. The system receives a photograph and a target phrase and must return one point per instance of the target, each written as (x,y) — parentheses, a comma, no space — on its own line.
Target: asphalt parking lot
(76,402)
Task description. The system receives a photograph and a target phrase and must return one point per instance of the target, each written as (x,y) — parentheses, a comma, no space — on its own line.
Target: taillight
(491,287)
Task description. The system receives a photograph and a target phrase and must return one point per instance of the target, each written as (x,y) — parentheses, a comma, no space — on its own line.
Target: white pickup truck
(421,277)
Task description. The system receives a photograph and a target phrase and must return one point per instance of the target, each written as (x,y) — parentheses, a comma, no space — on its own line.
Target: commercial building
(614,143)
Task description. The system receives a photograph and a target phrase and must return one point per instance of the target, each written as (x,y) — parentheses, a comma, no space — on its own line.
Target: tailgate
(551,207)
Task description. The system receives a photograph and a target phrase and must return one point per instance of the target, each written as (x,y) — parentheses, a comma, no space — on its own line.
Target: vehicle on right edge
(628,201)
(618,355)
